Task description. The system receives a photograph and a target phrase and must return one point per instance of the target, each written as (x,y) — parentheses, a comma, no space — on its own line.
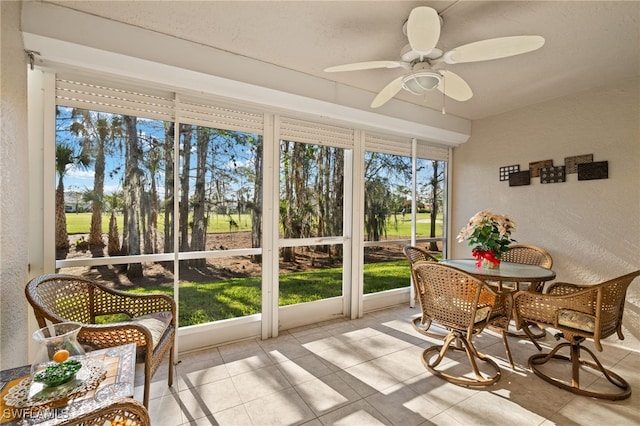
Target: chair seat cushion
(482,313)
(156,323)
(576,320)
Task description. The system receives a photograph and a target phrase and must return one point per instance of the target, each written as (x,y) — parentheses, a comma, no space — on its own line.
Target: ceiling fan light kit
(427,63)
(422,81)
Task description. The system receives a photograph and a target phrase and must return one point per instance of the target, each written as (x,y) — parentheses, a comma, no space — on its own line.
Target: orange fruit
(61,355)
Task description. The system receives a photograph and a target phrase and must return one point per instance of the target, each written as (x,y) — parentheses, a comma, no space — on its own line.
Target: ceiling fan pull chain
(444,98)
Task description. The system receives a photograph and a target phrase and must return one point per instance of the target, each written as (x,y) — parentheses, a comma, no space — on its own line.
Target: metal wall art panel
(505,171)
(595,170)
(552,174)
(520,178)
(534,167)
(571,163)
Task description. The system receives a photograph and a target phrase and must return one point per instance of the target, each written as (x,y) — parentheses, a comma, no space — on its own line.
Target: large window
(311,209)
(403,205)
(113,177)
(219,214)
(239,214)
(144,203)
(115,195)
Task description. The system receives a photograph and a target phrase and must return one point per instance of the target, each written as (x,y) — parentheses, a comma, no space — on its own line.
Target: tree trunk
(288,253)
(323,193)
(153,215)
(145,211)
(337,222)
(435,180)
(199,231)
(113,243)
(183,216)
(168,188)
(62,238)
(256,210)
(95,233)
(133,195)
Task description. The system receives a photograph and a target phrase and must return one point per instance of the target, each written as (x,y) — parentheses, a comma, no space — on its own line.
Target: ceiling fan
(425,62)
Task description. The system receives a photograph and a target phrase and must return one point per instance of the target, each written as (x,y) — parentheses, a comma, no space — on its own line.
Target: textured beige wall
(591,228)
(13,189)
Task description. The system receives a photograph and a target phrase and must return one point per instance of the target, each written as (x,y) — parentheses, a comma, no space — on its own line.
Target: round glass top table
(507,272)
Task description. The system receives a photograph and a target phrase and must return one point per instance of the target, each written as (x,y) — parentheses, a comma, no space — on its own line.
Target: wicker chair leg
(507,349)
(147,384)
(575,349)
(423,328)
(170,378)
(531,336)
(534,335)
(480,380)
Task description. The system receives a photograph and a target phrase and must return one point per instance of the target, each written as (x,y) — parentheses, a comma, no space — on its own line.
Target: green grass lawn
(80,223)
(402,227)
(205,302)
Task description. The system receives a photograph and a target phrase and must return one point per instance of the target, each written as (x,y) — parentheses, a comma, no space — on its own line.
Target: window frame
(266,324)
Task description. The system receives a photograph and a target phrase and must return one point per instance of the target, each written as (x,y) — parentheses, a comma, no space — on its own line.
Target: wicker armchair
(530,255)
(579,312)
(421,323)
(152,324)
(465,305)
(126,412)
(415,254)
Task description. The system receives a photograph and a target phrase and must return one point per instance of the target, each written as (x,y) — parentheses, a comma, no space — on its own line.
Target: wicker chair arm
(99,336)
(109,301)
(560,288)
(126,412)
(543,308)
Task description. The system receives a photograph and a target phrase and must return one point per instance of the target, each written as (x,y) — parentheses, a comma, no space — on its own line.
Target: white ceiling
(588,44)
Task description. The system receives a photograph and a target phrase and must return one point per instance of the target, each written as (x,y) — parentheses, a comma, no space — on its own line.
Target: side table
(119,363)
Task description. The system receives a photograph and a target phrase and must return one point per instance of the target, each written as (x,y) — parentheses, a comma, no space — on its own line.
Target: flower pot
(487,264)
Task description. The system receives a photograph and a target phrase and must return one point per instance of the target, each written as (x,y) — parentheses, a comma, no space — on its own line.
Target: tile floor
(368,372)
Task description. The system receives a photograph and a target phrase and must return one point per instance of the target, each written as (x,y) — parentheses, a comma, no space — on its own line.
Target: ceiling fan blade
(367,66)
(493,48)
(454,86)
(423,29)
(389,91)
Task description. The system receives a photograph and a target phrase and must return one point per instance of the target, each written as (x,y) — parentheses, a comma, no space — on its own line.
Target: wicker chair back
(151,322)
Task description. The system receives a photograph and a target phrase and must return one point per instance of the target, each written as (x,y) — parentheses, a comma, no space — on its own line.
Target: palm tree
(132,196)
(65,156)
(152,160)
(98,134)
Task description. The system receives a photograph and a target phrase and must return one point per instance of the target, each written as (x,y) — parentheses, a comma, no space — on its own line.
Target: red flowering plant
(490,236)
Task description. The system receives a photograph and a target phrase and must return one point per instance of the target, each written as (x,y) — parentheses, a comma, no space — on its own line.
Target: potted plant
(489,235)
